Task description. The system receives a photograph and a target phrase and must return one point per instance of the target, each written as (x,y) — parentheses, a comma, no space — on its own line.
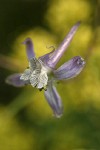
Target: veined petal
(39,76)
(57,54)
(54,100)
(29,48)
(70,69)
(14,80)
(26,75)
(35,64)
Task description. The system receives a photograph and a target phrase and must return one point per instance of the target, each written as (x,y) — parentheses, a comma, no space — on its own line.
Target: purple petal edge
(57,54)
(54,100)
(14,80)
(29,48)
(46,57)
(70,69)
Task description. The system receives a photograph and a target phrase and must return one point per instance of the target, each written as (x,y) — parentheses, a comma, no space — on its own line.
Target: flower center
(37,74)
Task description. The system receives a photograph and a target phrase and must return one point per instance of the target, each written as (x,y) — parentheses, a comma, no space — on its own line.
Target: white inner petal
(37,74)
(26,75)
(39,79)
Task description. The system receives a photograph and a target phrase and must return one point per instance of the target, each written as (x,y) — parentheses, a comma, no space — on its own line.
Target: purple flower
(42,73)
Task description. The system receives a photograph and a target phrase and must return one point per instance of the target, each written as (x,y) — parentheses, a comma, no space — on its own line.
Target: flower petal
(57,54)
(70,69)
(14,80)
(35,64)
(54,100)
(26,75)
(46,57)
(38,76)
(29,48)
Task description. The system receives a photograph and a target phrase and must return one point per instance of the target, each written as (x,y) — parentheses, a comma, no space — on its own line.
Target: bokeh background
(26,121)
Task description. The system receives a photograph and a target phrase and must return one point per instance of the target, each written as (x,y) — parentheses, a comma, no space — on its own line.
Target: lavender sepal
(54,100)
(14,80)
(29,48)
(57,54)
(70,69)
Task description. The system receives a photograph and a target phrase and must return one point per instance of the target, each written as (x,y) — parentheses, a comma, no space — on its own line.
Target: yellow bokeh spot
(61,13)
(42,40)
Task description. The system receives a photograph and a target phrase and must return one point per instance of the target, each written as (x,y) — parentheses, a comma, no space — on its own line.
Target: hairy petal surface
(70,69)
(14,80)
(29,48)
(57,54)
(54,100)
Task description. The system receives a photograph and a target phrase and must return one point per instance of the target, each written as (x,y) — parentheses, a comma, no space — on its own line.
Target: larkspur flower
(42,74)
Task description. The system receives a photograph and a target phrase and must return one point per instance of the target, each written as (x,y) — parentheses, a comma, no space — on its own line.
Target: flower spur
(42,74)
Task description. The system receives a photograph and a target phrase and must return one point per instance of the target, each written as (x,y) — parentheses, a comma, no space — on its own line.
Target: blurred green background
(26,121)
